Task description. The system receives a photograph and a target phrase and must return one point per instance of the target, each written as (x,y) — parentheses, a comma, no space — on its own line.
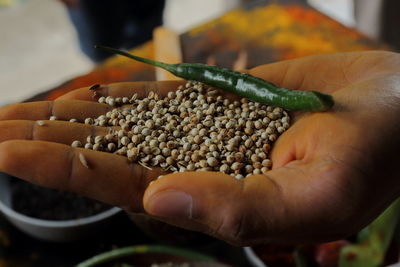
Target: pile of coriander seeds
(191,129)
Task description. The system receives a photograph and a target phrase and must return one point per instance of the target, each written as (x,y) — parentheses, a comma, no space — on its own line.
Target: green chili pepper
(242,84)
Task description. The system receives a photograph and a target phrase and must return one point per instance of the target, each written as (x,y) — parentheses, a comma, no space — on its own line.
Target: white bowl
(56,231)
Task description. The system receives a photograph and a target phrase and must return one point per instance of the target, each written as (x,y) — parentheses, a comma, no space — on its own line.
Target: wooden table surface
(258,33)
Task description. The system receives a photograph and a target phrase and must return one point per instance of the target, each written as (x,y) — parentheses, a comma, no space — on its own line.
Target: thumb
(299,202)
(214,203)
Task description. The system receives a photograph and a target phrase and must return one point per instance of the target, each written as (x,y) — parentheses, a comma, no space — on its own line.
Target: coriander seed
(76,143)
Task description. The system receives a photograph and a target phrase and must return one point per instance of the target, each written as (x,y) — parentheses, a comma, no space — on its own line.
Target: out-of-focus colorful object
(373,241)
(375,246)
(277,32)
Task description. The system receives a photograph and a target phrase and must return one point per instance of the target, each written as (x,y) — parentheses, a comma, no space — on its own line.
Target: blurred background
(39,47)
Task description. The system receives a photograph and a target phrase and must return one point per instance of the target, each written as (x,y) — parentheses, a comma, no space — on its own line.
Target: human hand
(333,172)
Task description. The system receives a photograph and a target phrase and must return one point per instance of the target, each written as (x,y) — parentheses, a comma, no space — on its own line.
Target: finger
(53,131)
(142,89)
(295,203)
(123,89)
(107,177)
(62,109)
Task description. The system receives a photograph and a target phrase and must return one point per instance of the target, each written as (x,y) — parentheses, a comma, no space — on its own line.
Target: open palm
(333,172)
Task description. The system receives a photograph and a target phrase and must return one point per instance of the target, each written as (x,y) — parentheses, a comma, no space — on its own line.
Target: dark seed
(94,86)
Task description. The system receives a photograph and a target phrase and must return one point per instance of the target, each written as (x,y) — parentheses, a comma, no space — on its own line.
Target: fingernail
(171,204)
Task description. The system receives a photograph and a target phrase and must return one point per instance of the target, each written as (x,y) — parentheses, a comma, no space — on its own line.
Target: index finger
(142,89)
(123,89)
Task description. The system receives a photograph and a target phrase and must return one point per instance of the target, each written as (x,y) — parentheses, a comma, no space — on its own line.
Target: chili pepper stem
(169,67)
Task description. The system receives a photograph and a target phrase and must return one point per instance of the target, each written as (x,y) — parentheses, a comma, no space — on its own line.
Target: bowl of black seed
(49,214)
